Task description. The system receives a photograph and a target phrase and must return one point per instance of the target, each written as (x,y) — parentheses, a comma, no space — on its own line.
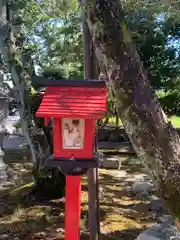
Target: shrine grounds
(123,215)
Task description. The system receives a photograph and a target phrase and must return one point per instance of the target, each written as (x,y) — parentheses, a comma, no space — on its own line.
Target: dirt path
(123,216)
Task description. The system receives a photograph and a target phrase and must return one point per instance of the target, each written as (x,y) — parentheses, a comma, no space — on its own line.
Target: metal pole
(72,207)
(88,53)
(97,190)
(93,172)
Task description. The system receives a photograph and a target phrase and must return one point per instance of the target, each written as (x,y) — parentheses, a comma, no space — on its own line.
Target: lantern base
(73,167)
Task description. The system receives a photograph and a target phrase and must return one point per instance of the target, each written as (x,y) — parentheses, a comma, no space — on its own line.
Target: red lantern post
(74,106)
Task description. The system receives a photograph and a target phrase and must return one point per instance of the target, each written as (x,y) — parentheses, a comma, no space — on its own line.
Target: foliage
(171,102)
(55,37)
(56,40)
(53,33)
(154,29)
(48,181)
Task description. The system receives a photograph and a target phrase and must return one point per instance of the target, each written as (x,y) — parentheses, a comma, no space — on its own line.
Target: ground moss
(122,215)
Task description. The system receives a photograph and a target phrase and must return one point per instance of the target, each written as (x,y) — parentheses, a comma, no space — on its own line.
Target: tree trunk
(152,136)
(18,62)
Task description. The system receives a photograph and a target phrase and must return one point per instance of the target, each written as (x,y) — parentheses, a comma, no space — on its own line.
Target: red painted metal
(86,152)
(57,137)
(88,103)
(73,102)
(73,207)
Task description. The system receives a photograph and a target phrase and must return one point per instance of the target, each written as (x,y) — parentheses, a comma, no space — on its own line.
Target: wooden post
(92,172)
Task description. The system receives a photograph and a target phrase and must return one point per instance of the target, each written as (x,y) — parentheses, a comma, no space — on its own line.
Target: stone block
(111,162)
(142,188)
(160,232)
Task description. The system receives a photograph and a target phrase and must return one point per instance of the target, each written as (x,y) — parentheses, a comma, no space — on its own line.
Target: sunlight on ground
(121,213)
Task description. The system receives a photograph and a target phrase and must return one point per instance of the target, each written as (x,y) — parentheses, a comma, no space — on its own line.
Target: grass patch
(175,120)
(112,120)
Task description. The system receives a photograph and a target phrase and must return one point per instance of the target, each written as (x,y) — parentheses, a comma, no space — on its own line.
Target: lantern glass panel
(73,133)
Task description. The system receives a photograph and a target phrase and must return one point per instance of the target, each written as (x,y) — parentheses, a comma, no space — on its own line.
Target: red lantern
(74,107)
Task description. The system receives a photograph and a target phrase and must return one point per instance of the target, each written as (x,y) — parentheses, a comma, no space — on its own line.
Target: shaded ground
(123,216)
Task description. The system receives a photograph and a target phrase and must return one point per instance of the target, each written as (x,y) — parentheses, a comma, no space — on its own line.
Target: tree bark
(19,65)
(152,136)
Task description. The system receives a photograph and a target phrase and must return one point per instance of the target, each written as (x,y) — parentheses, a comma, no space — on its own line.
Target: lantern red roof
(73,101)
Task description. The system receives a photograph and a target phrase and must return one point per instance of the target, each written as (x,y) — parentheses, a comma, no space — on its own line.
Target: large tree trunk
(152,136)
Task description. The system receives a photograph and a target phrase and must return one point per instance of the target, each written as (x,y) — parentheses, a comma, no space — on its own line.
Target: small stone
(146,237)
(60,230)
(8,184)
(111,162)
(3,207)
(160,232)
(2,188)
(10,173)
(142,188)
(28,165)
(42,234)
(5,237)
(166,219)
(157,208)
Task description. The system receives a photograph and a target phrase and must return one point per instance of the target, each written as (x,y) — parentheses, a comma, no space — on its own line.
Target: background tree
(56,40)
(152,136)
(16,57)
(155,31)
